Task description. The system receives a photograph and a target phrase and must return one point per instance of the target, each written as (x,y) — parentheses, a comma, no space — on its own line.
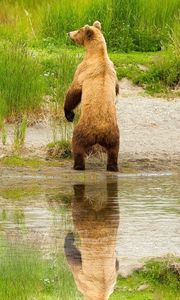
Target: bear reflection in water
(92,254)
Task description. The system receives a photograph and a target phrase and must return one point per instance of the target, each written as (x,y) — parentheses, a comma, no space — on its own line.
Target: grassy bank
(157,280)
(158,73)
(26,274)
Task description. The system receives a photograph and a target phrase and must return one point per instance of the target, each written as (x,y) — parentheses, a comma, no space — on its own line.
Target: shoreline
(149,133)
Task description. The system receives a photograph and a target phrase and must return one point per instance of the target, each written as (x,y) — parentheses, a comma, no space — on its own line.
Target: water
(91,220)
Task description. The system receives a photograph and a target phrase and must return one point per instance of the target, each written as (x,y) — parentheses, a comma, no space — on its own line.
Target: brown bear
(95,85)
(91,252)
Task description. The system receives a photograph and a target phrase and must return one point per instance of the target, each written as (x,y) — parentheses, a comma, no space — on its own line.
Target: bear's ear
(97,24)
(88,32)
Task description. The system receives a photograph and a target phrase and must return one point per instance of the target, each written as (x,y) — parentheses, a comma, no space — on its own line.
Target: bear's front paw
(69,115)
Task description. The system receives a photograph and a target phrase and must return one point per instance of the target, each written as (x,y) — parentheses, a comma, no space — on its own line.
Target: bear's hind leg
(79,154)
(110,142)
(112,162)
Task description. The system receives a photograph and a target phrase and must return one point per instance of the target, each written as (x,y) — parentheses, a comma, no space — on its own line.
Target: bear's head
(87,34)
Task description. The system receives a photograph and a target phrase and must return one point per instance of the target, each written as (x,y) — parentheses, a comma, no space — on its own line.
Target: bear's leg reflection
(96,219)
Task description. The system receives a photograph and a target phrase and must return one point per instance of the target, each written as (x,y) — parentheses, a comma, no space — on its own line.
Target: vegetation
(158,73)
(164,272)
(58,66)
(18,193)
(18,161)
(164,74)
(20,134)
(21,271)
(159,279)
(21,85)
(59,149)
(27,274)
(128,25)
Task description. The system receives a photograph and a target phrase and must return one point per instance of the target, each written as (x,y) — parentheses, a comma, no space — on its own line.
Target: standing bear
(95,86)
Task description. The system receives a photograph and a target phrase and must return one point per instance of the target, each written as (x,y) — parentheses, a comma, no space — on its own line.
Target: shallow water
(92,219)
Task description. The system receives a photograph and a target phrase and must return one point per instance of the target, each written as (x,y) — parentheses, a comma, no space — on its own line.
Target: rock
(143,287)
(128,266)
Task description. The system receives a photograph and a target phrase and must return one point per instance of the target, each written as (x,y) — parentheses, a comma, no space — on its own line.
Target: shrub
(59,149)
(164,74)
(162,271)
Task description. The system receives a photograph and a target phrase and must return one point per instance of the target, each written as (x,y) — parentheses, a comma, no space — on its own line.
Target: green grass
(164,74)
(20,134)
(161,74)
(59,66)
(26,274)
(21,83)
(59,149)
(18,193)
(160,277)
(162,272)
(128,24)
(18,161)
(127,64)
(21,270)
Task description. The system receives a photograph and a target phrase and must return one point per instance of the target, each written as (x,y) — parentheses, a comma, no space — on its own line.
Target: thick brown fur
(95,85)
(96,219)
(73,98)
